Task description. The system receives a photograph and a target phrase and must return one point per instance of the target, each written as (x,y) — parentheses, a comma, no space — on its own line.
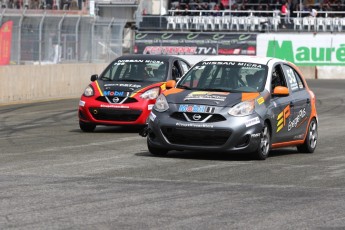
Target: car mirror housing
(280,91)
(94,77)
(170,84)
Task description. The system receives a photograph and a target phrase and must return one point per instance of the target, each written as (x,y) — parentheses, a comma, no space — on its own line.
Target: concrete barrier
(308,71)
(24,83)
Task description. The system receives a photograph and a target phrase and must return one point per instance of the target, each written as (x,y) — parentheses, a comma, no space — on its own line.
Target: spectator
(313,13)
(243,7)
(286,13)
(186,10)
(34,4)
(205,7)
(221,6)
(177,8)
(276,5)
(216,8)
(339,6)
(163,10)
(74,5)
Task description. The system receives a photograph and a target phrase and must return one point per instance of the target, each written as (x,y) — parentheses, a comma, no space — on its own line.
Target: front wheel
(87,127)
(310,142)
(265,144)
(156,151)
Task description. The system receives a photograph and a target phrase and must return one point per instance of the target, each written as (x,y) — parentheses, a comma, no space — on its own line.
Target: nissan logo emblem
(116,99)
(196,117)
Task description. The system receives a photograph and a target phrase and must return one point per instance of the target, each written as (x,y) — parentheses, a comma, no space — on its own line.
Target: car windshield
(136,71)
(225,76)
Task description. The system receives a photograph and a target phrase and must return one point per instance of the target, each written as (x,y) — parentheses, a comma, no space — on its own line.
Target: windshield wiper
(222,90)
(106,79)
(183,87)
(131,80)
(215,89)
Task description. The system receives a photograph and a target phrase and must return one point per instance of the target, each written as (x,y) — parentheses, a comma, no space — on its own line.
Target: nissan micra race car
(126,91)
(235,103)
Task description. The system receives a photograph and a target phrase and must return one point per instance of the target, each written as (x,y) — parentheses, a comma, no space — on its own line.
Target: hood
(196,97)
(123,88)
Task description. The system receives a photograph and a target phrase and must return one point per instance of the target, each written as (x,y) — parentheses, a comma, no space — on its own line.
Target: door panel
(282,108)
(302,104)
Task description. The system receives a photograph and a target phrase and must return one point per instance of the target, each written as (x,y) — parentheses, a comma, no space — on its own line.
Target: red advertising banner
(5,43)
(195,43)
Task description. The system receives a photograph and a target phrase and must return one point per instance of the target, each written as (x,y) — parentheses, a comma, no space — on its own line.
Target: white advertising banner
(304,49)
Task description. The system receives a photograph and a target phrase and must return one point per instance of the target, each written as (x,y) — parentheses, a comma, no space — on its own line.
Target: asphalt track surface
(53,176)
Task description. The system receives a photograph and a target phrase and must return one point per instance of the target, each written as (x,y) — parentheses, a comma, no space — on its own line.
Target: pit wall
(25,83)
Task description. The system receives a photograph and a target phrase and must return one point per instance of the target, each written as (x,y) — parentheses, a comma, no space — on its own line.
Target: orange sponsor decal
(282,118)
(249,96)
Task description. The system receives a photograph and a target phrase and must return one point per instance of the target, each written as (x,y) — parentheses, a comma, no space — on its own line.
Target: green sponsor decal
(192,36)
(166,36)
(217,37)
(140,36)
(304,55)
(243,37)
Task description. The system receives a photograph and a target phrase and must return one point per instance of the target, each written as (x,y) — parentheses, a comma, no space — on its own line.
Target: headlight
(161,104)
(242,109)
(88,92)
(150,94)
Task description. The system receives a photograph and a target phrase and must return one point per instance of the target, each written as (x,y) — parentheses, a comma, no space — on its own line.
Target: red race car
(126,91)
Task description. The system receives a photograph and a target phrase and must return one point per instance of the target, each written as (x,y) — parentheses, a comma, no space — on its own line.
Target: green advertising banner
(304,49)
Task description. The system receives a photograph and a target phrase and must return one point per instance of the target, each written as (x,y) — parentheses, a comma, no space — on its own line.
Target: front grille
(197,137)
(213,118)
(108,114)
(128,100)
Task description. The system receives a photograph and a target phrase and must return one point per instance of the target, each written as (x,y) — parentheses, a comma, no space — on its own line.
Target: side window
(293,78)
(277,77)
(185,66)
(299,81)
(176,72)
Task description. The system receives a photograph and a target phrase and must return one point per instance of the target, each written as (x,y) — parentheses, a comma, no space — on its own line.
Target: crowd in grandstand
(188,7)
(43,4)
(191,7)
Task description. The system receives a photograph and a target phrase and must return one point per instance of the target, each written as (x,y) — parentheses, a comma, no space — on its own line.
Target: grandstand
(202,15)
(245,15)
(217,22)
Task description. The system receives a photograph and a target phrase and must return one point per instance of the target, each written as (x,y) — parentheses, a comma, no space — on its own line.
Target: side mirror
(280,91)
(170,84)
(94,77)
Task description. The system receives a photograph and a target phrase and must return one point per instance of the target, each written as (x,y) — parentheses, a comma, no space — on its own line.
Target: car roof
(148,57)
(243,58)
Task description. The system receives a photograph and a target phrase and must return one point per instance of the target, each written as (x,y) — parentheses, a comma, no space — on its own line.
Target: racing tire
(156,151)
(310,142)
(87,127)
(265,144)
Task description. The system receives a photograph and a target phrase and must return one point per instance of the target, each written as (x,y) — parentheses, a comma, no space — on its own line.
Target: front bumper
(114,114)
(235,134)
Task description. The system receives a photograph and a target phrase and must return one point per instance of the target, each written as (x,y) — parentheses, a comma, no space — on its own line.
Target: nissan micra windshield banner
(195,44)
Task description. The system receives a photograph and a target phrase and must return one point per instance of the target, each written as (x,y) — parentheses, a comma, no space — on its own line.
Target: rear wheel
(265,144)
(156,151)
(87,127)
(310,142)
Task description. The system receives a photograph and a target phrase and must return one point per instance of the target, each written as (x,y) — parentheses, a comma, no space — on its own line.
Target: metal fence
(43,37)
